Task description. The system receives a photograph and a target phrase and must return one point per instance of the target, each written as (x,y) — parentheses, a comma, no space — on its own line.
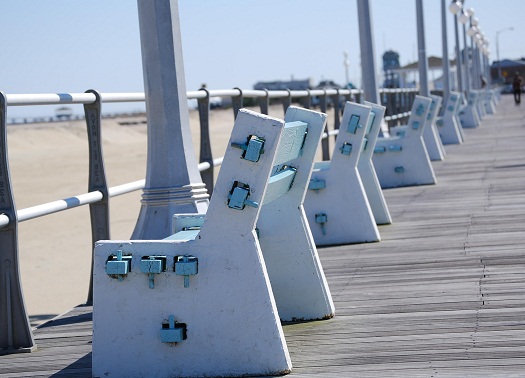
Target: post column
(173,183)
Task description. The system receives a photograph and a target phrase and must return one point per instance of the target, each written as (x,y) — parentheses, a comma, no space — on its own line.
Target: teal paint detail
(346,148)
(371,120)
(118,266)
(415,125)
(292,142)
(184,235)
(321,219)
(238,197)
(401,133)
(399,169)
(279,183)
(186,266)
(152,265)
(420,109)
(379,150)
(353,124)
(253,149)
(395,148)
(173,332)
(365,143)
(316,184)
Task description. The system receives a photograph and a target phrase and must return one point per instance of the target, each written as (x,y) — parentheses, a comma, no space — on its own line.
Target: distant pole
(446,63)
(173,183)
(466,60)
(346,62)
(459,61)
(368,67)
(422,54)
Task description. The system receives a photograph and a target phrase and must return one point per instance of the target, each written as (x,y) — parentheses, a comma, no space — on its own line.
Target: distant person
(517,83)
(483,81)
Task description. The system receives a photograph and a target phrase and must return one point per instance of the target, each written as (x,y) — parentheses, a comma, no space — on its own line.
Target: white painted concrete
(449,125)
(489,101)
(435,149)
(366,169)
(404,161)
(343,200)
(469,115)
(296,275)
(233,326)
(173,182)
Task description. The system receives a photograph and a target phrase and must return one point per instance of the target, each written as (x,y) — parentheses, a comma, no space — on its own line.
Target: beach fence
(15,331)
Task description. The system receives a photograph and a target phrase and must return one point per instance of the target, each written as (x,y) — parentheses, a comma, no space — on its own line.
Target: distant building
(293,85)
(507,67)
(63,113)
(408,75)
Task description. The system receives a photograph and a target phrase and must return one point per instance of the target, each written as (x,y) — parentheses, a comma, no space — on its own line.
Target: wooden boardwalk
(443,294)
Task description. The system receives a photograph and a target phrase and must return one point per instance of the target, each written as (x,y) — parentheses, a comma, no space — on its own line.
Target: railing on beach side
(15,332)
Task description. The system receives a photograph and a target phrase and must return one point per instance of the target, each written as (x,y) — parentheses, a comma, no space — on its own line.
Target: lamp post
(446,63)
(497,50)
(368,66)
(422,55)
(463,18)
(455,7)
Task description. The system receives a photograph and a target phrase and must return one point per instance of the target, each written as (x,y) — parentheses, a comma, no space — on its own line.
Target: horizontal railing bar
(123,97)
(50,99)
(88,98)
(84,199)
(60,205)
(126,188)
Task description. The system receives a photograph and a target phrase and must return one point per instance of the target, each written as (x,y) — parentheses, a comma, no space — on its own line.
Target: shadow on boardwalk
(442,294)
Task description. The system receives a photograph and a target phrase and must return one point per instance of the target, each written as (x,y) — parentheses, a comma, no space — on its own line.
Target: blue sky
(70,46)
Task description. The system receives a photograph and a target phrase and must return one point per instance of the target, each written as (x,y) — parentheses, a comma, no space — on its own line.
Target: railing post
(99,211)
(205,154)
(287,101)
(237,102)
(306,102)
(264,103)
(325,143)
(15,330)
(336,99)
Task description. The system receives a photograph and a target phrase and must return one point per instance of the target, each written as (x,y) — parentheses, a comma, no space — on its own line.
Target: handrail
(84,199)
(89,98)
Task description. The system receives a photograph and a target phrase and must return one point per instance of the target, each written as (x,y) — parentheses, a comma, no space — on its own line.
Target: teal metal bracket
(238,197)
(172,331)
(321,219)
(186,266)
(152,265)
(118,266)
(253,148)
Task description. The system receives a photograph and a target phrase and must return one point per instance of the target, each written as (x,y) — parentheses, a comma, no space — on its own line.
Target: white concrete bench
(336,204)
(373,190)
(489,101)
(469,114)
(290,253)
(435,149)
(449,125)
(403,160)
(200,303)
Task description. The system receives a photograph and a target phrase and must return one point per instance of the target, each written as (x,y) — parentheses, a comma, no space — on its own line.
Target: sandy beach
(49,161)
